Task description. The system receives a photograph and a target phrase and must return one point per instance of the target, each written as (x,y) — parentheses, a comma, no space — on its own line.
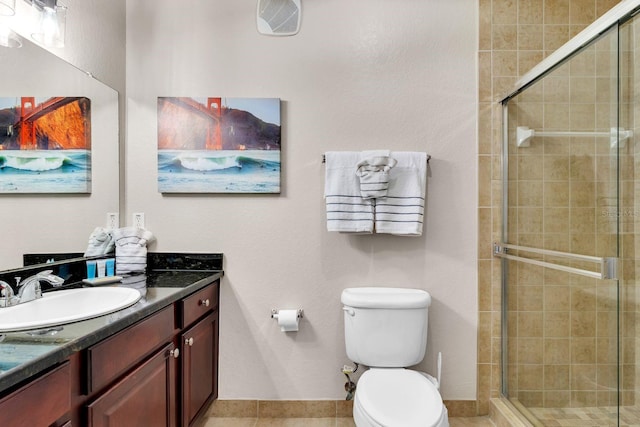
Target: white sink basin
(60,307)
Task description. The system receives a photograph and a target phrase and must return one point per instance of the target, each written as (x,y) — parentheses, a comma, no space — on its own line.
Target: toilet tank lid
(385,298)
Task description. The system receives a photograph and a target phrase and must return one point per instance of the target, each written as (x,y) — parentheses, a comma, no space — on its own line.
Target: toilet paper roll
(288,320)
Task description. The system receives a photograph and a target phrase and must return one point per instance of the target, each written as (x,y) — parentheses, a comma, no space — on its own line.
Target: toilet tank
(385,327)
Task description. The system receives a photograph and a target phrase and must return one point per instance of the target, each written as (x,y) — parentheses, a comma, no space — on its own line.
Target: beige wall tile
(530,37)
(527,59)
(557,351)
(583,324)
(484,77)
(530,350)
(583,351)
(530,12)
(484,27)
(555,36)
(530,324)
(556,377)
(530,193)
(556,11)
(530,377)
(582,12)
(556,298)
(557,324)
(504,37)
(504,12)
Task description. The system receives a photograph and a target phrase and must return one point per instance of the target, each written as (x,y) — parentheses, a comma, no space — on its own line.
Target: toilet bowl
(398,397)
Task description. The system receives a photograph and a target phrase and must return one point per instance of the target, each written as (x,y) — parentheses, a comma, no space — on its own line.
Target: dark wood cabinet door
(39,403)
(199,367)
(145,397)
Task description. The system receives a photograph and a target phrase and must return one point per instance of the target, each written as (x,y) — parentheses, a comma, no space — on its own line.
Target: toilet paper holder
(274,313)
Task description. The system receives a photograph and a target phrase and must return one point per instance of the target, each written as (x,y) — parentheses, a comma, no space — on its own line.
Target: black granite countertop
(25,354)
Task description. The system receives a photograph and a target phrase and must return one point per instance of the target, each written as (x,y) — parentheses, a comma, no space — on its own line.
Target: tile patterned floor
(323,422)
(587,417)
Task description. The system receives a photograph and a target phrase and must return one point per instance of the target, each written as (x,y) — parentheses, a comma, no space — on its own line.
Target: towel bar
(324,158)
(608,266)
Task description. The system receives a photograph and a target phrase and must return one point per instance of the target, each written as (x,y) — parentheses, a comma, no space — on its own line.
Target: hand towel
(100,242)
(347,211)
(402,211)
(131,249)
(136,281)
(373,173)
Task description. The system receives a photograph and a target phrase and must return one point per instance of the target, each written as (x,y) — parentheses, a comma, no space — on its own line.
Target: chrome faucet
(7,298)
(29,288)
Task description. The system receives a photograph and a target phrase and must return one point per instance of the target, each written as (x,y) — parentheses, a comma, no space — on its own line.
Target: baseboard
(311,408)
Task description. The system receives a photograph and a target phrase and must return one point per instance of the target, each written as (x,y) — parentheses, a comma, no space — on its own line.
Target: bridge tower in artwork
(214,134)
(28,127)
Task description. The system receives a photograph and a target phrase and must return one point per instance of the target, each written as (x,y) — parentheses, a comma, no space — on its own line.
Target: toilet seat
(394,397)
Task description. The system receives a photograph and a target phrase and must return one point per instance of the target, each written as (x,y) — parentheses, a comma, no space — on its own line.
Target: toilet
(386,330)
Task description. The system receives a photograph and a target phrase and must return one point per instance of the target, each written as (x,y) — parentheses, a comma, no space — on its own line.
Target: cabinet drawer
(114,356)
(41,402)
(198,304)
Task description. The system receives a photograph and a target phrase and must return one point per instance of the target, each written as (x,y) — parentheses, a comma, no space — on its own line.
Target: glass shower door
(563,239)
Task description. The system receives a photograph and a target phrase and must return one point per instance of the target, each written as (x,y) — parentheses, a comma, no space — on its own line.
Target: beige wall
(514,36)
(357,76)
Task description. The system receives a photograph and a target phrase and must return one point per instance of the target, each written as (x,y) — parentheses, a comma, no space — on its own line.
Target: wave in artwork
(219,171)
(43,171)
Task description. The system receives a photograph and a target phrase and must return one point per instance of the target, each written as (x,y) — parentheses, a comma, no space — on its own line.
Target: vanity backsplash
(72,266)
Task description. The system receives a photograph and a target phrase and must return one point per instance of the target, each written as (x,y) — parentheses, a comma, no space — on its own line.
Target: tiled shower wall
(514,35)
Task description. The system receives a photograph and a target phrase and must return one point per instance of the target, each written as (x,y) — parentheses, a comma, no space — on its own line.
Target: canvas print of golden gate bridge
(45,145)
(218,145)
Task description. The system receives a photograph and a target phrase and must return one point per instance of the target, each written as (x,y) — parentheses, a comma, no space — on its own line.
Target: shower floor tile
(586,417)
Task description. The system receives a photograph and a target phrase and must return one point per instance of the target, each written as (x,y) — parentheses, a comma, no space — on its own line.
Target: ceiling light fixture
(7,7)
(52,24)
(8,38)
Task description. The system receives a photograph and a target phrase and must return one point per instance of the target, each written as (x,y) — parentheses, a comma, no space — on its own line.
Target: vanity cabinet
(41,402)
(160,371)
(199,355)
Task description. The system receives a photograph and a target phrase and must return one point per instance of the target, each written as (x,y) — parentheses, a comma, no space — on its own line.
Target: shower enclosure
(569,340)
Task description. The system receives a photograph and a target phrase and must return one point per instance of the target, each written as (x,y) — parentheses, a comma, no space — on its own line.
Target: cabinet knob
(205,302)
(188,341)
(175,353)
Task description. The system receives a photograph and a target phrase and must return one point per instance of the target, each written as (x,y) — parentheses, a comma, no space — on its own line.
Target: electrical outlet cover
(138,220)
(113,220)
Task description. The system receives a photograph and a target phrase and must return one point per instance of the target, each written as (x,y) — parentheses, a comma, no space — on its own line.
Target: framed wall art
(45,145)
(218,145)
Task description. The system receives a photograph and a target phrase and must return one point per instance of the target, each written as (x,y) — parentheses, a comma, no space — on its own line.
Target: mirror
(55,222)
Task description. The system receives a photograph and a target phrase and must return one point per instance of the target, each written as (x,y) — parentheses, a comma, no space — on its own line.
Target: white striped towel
(347,211)
(402,211)
(373,173)
(131,249)
(100,242)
